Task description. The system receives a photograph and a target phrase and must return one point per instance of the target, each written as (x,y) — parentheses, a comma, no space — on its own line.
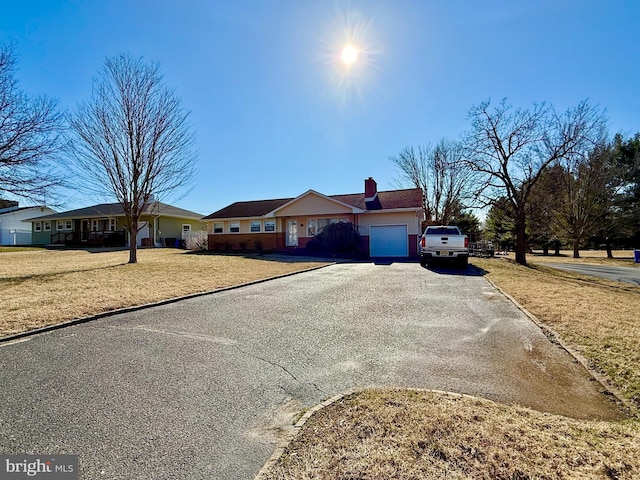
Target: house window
(68,225)
(112,224)
(218,227)
(234,227)
(269,225)
(59,225)
(94,225)
(186,228)
(323,222)
(47,226)
(37,226)
(311,228)
(255,226)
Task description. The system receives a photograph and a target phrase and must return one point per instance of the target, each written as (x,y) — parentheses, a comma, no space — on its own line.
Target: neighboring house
(105,225)
(14,227)
(388,222)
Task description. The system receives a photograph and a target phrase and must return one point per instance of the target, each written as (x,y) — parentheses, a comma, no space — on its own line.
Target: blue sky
(277,113)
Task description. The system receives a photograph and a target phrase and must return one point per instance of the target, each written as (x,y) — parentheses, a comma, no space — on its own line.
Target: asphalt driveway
(201,388)
(616,273)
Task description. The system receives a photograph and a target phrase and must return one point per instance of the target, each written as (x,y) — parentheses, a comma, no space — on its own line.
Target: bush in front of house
(196,240)
(336,238)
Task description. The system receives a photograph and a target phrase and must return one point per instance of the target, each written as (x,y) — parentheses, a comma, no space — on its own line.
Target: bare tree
(445,179)
(586,195)
(132,141)
(512,147)
(29,136)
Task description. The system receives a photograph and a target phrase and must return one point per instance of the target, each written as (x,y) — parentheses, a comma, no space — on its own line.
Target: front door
(292,233)
(85,230)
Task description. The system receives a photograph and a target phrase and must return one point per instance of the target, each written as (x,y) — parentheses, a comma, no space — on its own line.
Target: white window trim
(37,226)
(252,222)
(47,226)
(59,225)
(69,226)
(233,225)
(273,222)
(112,224)
(221,226)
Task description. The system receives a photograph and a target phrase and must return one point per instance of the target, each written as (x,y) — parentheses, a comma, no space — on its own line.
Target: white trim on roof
(313,192)
(395,210)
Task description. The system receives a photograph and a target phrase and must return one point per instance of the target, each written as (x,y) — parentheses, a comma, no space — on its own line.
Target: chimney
(370,189)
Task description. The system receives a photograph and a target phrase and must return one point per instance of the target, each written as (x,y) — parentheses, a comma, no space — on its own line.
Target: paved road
(201,388)
(618,274)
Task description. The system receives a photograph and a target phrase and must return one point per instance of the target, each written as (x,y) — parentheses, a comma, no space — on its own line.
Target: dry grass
(400,434)
(595,257)
(404,434)
(45,287)
(597,318)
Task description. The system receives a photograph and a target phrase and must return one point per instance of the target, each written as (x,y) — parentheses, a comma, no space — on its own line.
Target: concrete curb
(554,337)
(77,321)
(292,433)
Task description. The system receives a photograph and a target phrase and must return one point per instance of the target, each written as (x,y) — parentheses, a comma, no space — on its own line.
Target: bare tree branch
(29,138)
(511,148)
(445,179)
(132,140)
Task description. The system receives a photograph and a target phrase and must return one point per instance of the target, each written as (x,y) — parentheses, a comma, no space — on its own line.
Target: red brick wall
(268,241)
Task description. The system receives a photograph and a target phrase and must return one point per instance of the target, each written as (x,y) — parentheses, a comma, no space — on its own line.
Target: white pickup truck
(443,242)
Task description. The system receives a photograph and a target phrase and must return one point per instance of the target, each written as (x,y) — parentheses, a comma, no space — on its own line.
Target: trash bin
(636,256)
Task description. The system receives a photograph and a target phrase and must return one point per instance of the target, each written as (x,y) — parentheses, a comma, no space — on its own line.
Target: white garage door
(388,241)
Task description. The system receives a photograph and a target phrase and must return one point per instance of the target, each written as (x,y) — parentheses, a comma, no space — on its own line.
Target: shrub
(196,240)
(341,237)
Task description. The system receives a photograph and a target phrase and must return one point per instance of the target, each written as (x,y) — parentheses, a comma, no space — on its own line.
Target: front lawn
(43,287)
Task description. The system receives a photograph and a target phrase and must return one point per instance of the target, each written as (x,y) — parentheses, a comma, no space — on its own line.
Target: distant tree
(468,223)
(132,140)
(625,217)
(511,148)
(499,225)
(586,195)
(30,129)
(445,179)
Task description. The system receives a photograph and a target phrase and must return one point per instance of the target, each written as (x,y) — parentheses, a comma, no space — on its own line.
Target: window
(112,224)
(68,225)
(269,225)
(256,226)
(37,226)
(315,225)
(60,225)
(218,227)
(311,228)
(234,227)
(47,226)
(94,225)
(186,228)
(323,222)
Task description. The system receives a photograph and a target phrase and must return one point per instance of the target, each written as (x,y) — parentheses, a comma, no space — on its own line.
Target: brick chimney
(370,189)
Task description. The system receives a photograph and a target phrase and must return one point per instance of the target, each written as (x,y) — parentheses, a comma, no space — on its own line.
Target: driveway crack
(284,369)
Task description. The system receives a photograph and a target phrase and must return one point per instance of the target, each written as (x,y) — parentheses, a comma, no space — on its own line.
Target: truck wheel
(423,262)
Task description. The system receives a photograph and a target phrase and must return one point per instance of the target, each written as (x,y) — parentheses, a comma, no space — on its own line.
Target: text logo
(46,467)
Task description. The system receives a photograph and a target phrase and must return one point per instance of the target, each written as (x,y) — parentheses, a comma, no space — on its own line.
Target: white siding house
(13,229)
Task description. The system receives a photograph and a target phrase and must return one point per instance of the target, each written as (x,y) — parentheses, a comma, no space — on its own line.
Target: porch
(94,238)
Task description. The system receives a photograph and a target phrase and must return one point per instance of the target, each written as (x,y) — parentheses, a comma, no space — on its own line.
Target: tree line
(130,141)
(546,178)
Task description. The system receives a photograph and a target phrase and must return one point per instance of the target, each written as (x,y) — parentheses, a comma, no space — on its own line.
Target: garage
(388,241)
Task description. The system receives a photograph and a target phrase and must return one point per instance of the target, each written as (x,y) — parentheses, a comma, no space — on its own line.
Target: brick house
(388,221)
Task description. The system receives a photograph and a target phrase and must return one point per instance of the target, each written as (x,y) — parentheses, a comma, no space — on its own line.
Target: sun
(349,54)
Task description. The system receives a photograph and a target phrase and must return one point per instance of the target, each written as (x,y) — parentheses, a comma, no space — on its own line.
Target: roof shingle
(409,198)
